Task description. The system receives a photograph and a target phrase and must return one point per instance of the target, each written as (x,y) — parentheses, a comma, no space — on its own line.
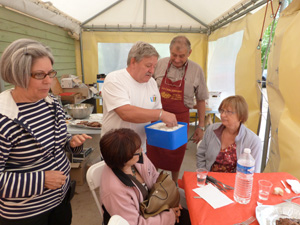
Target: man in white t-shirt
(131,98)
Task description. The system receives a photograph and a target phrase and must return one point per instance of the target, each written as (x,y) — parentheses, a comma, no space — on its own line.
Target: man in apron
(180,80)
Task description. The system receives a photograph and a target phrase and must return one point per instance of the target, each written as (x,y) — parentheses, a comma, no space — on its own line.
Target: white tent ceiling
(192,16)
(207,11)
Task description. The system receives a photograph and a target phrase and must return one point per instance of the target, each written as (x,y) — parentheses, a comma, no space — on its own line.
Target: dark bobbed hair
(238,104)
(118,146)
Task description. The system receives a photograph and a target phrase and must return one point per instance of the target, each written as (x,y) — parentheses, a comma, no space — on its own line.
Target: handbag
(163,195)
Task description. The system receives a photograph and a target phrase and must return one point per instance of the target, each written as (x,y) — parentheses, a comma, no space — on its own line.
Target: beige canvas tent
(225,41)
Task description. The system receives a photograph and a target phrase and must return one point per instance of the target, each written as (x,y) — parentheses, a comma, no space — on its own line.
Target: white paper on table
(295,185)
(213,196)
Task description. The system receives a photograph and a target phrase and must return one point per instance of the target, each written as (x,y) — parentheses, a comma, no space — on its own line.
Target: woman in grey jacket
(224,142)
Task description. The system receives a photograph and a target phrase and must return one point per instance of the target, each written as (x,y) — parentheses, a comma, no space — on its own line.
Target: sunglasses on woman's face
(139,152)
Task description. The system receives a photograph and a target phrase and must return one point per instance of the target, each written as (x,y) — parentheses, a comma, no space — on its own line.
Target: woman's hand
(198,135)
(54,179)
(79,139)
(169,119)
(177,212)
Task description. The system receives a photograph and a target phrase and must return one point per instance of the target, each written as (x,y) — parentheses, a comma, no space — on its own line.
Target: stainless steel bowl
(79,111)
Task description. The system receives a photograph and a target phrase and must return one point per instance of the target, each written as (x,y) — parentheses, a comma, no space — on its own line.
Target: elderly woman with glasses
(224,142)
(127,178)
(34,169)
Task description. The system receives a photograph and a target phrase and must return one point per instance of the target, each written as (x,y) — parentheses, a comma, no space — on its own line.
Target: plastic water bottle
(244,177)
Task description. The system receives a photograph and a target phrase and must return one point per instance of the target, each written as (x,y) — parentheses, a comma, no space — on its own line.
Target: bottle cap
(247,150)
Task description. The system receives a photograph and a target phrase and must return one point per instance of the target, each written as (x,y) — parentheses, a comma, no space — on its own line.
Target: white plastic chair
(93,177)
(117,220)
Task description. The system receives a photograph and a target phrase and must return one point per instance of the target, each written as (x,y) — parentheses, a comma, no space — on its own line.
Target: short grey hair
(179,42)
(17,59)
(140,50)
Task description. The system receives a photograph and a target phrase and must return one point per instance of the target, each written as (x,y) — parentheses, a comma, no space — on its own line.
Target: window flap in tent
(90,42)
(248,64)
(283,88)
(221,62)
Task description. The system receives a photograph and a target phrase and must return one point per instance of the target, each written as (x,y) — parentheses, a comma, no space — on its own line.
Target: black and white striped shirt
(32,141)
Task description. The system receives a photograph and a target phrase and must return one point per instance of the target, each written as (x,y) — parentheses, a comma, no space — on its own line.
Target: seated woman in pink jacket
(126,165)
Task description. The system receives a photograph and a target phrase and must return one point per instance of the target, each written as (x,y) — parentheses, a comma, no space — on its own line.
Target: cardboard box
(83,89)
(71,97)
(167,139)
(55,87)
(67,83)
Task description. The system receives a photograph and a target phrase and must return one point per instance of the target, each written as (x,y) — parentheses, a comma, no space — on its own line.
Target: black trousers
(60,215)
(184,218)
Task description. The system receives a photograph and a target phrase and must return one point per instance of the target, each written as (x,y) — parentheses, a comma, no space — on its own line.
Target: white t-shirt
(120,89)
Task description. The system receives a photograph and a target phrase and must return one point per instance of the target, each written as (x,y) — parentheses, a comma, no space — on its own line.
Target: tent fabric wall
(283,85)
(248,64)
(14,25)
(283,66)
(90,49)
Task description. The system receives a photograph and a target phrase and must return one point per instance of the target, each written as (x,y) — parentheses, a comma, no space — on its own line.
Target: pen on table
(197,197)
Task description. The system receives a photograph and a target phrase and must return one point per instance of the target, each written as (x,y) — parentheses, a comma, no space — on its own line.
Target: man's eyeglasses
(41,75)
(173,85)
(221,111)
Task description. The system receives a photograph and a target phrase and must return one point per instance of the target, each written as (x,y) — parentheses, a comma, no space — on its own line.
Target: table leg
(196,124)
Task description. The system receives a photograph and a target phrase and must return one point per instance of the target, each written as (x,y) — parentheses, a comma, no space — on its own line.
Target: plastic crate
(167,139)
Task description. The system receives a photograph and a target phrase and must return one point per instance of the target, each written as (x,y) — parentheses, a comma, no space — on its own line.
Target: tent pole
(145,11)
(226,19)
(81,56)
(187,13)
(93,17)
(268,122)
(143,29)
(262,71)
(266,143)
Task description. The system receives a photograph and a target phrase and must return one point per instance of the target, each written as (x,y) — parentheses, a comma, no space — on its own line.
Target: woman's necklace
(133,171)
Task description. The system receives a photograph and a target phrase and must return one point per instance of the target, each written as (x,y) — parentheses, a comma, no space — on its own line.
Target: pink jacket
(123,200)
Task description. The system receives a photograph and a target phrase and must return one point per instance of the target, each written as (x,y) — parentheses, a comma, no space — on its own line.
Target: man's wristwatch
(202,128)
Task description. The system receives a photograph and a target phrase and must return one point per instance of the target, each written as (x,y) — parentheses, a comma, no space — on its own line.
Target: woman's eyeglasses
(41,75)
(221,111)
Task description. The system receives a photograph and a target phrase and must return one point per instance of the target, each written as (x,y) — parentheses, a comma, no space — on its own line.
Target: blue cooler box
(167,139)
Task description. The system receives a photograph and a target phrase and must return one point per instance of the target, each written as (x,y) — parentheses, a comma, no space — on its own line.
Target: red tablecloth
(201,213)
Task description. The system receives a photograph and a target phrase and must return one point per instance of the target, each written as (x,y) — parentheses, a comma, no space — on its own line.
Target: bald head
(180,43)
